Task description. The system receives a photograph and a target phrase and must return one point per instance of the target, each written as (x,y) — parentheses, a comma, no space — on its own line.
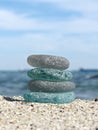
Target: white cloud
(78,48)
(12,21)
(84,5)
(17,49)
(51,43)
(86,23)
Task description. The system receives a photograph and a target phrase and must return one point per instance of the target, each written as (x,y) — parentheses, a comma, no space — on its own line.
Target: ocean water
(15,83)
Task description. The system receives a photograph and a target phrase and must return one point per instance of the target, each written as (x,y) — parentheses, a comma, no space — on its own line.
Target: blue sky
(67,28)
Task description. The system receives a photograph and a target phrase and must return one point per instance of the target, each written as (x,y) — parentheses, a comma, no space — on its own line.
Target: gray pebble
(48,61)
(54,87)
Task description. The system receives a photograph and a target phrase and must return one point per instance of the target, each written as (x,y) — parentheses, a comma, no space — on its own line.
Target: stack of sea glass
(50,82)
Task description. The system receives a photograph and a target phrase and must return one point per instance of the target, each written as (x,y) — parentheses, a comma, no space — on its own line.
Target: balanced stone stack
(50,82)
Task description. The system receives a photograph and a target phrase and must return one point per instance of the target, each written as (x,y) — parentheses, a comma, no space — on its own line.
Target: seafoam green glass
(49,74)
(56,98)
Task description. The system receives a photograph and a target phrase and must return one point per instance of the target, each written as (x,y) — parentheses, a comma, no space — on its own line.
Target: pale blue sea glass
(56,98)
(49,74)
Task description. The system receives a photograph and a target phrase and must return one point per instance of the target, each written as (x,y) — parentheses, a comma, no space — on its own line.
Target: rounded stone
(54,87)
(56,98)
(49,74)
(48,61)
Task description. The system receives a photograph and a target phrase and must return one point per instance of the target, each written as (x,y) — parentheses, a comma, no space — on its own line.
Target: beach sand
(18,115)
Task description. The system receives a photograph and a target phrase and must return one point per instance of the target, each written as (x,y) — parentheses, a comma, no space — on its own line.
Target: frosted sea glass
(56,98)
(49,74)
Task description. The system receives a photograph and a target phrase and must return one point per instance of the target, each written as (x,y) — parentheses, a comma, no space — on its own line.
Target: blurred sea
(14,83)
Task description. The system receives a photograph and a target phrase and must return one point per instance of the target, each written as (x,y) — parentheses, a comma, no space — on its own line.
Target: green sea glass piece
(50,87)
(56,98)
(49,74)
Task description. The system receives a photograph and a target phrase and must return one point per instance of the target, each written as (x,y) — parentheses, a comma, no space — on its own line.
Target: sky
(67,28)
